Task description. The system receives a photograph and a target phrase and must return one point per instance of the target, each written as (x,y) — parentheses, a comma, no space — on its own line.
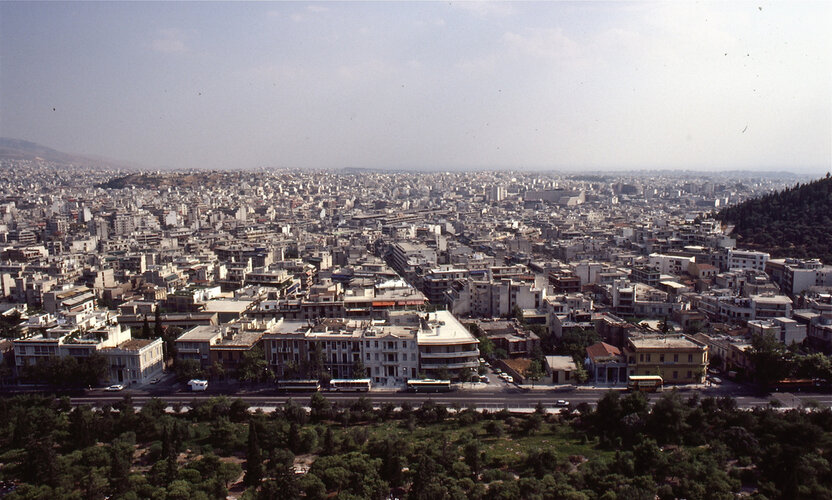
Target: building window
(675,375)
(690,374)
(661,358)
(690,358)
(675,358)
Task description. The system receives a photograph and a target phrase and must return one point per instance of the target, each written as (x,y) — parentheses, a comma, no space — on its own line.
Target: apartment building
(747,259)
(71,299)
(393,351)
(785,330)
(510,336)
(799,275)
(195,343)
(446,347)
(437,281)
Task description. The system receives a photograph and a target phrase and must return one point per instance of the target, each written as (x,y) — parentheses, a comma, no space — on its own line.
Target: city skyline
(520,86)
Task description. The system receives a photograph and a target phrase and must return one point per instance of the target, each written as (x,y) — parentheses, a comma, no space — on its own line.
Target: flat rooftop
(444,328)
(664,342)
(201,333)
(227,306)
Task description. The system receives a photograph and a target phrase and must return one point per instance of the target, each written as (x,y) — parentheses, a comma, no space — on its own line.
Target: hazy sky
(563,85)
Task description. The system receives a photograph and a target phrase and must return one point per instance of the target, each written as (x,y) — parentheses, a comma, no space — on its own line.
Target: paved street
(491,398)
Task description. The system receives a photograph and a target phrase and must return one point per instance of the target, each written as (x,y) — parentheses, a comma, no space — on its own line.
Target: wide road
(491,399)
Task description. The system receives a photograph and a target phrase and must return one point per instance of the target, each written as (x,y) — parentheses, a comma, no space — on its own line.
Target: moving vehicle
(198,385)
(155,380)
(115,387)
(562,403)
(645,383)
(298,385)
(350,385)
(429,385)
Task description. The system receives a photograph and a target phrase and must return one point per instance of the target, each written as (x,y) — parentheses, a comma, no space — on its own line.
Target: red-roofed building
(606,365)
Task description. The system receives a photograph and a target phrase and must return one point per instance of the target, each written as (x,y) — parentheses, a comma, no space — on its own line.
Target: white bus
(429,385)
(298,385)
(350,385)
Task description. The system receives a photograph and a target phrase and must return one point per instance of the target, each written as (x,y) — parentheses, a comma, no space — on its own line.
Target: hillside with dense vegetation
(623,449)
(795,222)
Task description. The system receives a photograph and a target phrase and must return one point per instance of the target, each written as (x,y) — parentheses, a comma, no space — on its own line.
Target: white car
(155,380)
(509,379)
(115,387)
(562,403)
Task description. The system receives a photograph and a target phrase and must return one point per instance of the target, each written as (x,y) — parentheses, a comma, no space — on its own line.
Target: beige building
(678,359)
(135,361)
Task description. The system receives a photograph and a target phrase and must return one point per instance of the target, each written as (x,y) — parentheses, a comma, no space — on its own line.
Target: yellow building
(678,359)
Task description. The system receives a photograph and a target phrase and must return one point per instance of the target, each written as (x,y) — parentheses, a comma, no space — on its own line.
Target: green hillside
(795,222)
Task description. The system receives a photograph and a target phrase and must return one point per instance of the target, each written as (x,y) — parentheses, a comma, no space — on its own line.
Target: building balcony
(450,366)
(444,355)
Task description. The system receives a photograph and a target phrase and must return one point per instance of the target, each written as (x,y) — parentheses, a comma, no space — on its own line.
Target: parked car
(155,380)
(509,379)
(115,387)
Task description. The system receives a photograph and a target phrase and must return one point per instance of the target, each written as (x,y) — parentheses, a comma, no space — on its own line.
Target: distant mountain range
(795,222)
(17,149)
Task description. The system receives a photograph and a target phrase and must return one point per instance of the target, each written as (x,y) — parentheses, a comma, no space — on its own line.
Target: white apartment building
(785,330)
(747,259)
(670,264)
(392,351)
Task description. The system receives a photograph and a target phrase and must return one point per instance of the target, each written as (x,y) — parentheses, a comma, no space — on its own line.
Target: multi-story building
(819,331)
(135,361)
(510,336)
(678,359)
(437,281)
(195,343)
(393,351)
(747,259)
(785,330)
(446,347)
(798,275)
(72,299)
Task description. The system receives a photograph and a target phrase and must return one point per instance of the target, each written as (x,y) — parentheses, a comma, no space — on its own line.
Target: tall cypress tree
(145,328)
(158,331)
(254,458)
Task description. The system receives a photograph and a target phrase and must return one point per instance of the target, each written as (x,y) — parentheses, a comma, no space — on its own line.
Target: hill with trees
(795,222)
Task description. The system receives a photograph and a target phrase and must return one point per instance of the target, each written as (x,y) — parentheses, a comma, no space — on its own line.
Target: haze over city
(424,85)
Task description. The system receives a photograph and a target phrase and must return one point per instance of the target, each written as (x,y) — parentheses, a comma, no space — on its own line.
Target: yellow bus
(645,383)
